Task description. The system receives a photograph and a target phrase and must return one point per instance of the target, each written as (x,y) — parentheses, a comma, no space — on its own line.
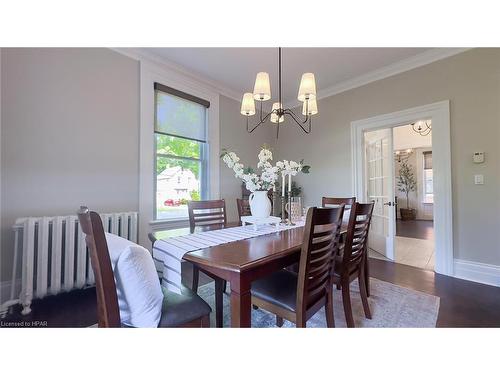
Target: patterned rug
(392,306)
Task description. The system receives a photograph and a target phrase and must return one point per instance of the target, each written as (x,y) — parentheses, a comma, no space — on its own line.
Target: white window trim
(151,72)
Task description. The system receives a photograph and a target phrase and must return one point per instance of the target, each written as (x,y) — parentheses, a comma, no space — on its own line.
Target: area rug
(392,306)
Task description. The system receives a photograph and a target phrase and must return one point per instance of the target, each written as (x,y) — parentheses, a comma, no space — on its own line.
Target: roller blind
(428,160)
(180,114)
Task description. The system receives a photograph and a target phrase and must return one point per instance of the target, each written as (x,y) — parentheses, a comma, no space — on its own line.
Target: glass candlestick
(283,214)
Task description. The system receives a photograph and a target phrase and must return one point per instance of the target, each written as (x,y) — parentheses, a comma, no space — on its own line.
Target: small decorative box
(256,221)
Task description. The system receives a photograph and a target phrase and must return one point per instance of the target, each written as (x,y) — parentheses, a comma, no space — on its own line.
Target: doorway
(381,152)
(402,189)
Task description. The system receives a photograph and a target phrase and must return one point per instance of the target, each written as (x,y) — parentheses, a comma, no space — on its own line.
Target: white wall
(471,81)
(69,135)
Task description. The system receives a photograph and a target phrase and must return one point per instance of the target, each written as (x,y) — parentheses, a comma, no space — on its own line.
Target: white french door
(379,187)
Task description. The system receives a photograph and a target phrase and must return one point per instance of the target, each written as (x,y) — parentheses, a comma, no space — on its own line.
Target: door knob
(389,204)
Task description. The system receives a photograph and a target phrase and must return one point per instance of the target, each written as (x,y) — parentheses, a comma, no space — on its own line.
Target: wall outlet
(479,179)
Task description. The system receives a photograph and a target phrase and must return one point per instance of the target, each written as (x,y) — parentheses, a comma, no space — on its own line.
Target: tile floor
(414,245)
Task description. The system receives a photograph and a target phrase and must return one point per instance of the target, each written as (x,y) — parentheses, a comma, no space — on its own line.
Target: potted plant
(407,184)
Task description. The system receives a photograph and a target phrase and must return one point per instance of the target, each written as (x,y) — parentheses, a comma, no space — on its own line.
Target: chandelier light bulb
(307,88)
(262,87)
(310,107)
(274,116)
(247,104)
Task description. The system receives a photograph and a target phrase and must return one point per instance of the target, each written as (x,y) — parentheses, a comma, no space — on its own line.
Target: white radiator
(55,257)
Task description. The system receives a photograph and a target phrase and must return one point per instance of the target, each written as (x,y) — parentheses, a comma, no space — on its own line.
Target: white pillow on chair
(140,297)
(116,246)
(139,292)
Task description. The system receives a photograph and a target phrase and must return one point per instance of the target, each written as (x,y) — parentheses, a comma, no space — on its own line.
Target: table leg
(241,304)
(218,302)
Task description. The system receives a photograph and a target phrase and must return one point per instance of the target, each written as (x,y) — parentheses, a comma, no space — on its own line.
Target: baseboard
(5,290)
(478,272)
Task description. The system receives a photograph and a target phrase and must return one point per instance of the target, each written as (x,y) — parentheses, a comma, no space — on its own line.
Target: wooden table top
(252,252)
(243,254)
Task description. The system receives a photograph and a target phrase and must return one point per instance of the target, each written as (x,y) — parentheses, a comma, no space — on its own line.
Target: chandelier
(262,92)
(422,127)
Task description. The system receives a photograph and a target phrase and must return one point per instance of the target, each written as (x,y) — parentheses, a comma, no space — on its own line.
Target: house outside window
(428,178)
(181,162)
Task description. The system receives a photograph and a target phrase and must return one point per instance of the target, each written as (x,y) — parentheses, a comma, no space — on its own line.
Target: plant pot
(260,205)
(408,214)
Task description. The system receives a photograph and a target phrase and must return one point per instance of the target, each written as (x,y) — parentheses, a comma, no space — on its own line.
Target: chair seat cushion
(180,309)
(279,288)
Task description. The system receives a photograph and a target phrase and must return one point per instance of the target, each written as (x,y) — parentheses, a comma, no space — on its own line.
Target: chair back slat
(207,213)
(243,208)
(335,202)
(321,241)
(108,312)
(357,235)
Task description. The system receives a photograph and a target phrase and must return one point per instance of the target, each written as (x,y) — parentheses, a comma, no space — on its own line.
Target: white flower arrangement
(269,173)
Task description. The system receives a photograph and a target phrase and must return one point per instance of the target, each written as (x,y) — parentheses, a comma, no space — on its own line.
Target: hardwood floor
(463,303)
(421,229)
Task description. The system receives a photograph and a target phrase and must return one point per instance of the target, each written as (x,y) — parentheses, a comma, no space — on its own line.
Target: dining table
(243,261)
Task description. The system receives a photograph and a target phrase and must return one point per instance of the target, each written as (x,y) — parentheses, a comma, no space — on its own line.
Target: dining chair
(186,310)
(350,262)
(332,201)
(348,201)
(298,296)
(243,208)
(208,215)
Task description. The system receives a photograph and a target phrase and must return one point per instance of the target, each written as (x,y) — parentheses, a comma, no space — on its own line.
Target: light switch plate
(479,179)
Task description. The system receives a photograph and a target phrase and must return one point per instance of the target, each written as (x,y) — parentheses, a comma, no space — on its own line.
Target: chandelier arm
(299,122)
(263,120)
(422,132)
(260,115)
(296,117)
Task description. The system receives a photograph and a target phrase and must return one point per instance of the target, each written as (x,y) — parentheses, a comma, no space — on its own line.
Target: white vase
(260,205)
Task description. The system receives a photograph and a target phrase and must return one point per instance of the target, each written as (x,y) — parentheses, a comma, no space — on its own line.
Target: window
(181,152)
(428,180)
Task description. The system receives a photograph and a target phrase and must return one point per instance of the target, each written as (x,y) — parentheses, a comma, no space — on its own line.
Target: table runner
(168,252)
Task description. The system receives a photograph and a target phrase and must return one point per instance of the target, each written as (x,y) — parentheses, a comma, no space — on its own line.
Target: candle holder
(289,221)
(283,214)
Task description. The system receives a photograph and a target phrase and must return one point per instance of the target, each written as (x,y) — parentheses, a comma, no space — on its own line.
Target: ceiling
(235,68)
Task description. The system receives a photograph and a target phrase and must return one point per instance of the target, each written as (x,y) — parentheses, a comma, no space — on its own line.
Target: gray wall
(471,81)
(69,134)
(71,116)
(234,137)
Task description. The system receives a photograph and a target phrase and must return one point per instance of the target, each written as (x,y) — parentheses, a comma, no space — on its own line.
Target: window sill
(158,225)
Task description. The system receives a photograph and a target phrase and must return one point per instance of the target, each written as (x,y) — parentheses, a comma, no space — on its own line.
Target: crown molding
(402,66)
(405,65)
(142,55)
